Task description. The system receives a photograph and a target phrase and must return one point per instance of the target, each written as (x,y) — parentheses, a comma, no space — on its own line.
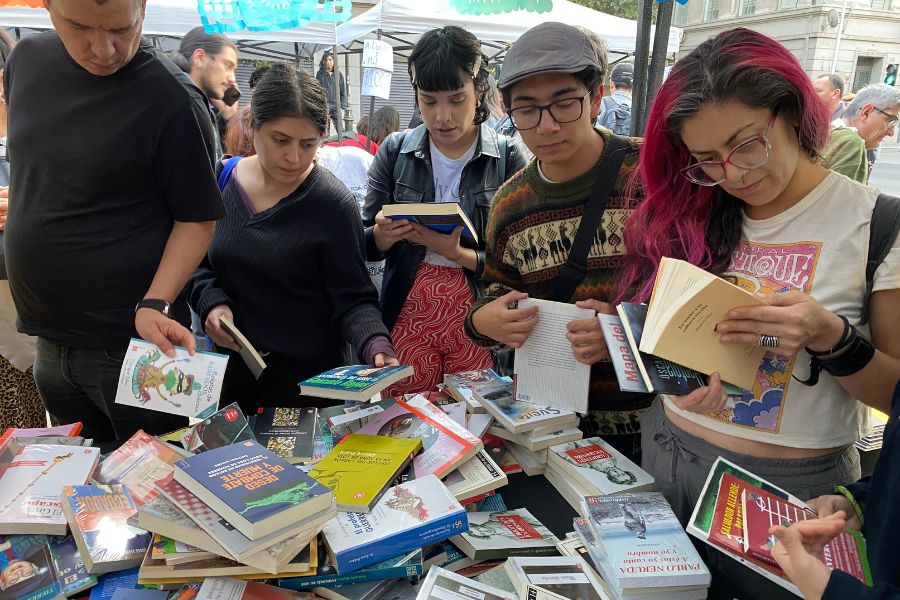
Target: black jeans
(79,384)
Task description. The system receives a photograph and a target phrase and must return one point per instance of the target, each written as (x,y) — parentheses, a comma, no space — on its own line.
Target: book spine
(380,549)
(302,583)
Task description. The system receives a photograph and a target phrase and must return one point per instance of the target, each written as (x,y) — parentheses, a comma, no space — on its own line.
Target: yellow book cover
(686,305)
(362,466)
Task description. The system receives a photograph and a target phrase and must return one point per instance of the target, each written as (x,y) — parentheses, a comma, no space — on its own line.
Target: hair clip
(476,68)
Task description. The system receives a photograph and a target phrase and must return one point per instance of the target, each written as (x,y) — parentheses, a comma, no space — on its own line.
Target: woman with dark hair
(431,279)
(385,121)
(286,264)
(732,184)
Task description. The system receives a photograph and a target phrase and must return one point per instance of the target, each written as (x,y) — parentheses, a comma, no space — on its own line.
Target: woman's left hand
(795,318)
(445,244)
(383,360)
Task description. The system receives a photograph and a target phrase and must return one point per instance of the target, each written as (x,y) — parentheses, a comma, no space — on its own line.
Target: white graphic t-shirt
(447,174)
(819,247)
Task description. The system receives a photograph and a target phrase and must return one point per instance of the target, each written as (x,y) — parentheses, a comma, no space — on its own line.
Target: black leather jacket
(402,173)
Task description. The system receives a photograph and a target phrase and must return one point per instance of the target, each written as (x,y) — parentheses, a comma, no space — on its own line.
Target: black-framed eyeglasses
(747,155)
(562,111)
(893,120)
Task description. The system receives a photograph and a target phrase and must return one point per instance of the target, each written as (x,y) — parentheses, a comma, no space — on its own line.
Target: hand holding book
(388,232)
(800,552)
(509,326)
(213,327)
(588,343)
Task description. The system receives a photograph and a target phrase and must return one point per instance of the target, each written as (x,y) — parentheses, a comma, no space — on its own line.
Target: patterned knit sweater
(529,232)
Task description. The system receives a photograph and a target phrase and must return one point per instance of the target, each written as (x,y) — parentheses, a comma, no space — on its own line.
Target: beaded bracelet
(849,496)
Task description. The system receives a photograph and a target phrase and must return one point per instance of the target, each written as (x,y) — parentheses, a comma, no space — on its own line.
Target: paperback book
(70,569)
(258,492)
(408,565)
(362,466)
(596,465)
(407,517)
(28,571)
(97,516)
(224,427)
(288,432)
(499,535)
(31,485)
(185,385)
(537,442)
(442,217)
(517,416)
(228,588)
(138,464)
(476,476)
(246,351)
(555,576)
(462,386)
(354,382)
(162,516)
(442,584)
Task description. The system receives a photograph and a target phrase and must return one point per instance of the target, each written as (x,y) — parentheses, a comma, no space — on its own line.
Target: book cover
(258,492)
(476,476)
(108,583)
(518,416)
(97,516)
(30,486)
(462,385)
(537,442)
(227,588)
(561,576)
(224,427)
(407,566)
(354,382)
(174,551)
(185,385)
(597,465)
(26,568)
(496,577)
(164,517)
(644,542)
(138,463)
(499,535)
(362,466)
(70,569)
(287,432)
(126,594)
(442,584)
(407,517)
(342,420)
(443,217)
(442,448)
(685,306)
(69,430)
(246,351)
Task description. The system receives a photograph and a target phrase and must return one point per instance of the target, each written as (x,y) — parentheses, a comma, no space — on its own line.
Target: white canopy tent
(408,19)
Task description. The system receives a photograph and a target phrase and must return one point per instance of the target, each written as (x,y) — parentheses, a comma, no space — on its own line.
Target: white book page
(546,370)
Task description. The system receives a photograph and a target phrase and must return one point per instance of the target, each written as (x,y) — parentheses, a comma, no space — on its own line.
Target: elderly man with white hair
(872,116)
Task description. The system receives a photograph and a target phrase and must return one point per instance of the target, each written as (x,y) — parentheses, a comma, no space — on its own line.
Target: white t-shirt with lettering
(819,247)
(447,174)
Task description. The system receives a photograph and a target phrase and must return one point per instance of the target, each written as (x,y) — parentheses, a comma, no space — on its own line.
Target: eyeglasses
(562,111)
(893,120)
(747,155)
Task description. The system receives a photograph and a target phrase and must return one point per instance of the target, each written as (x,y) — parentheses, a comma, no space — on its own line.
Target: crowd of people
(125,218)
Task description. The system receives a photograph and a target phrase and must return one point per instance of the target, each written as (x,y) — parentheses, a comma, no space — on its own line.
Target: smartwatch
(160,305)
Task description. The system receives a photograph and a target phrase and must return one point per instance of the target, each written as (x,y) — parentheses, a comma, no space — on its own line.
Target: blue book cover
(36,582)
(69,567)
(124,594)
(408,516)
(408,566)
(110,582)
(246,482)
(443,217)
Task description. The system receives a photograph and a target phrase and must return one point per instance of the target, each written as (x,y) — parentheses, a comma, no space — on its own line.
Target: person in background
(238,135)
(870,506)
(732,184)
(385,121)
(552,85)
(325,75)
(114,205)
(830,88)
(286,264)
(874,113)
(20,404)
(615,110)
(430,278)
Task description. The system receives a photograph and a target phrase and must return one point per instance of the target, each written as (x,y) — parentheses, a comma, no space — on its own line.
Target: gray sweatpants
(680,463)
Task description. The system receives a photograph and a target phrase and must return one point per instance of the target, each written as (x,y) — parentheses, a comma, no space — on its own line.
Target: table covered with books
(461,493)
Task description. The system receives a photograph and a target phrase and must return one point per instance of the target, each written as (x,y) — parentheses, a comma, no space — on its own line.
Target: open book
(686,305)
(440,216)
(254,361)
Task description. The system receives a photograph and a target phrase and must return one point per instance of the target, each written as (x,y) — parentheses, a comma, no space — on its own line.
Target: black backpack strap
(882,233)
(502,147)
(573,272)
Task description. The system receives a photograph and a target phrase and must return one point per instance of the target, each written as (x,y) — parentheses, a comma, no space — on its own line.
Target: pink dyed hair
(699,224)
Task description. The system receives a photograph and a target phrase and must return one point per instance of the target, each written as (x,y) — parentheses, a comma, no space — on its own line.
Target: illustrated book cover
(354,382)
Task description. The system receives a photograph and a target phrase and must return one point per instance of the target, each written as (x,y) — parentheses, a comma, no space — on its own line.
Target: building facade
(869,43)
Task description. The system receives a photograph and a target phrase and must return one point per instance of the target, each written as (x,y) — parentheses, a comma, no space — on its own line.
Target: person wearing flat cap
(548,235)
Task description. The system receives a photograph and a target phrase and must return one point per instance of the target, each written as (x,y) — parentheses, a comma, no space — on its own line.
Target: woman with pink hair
(732,184)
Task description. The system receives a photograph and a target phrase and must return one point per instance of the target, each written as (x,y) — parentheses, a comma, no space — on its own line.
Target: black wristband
(853,360)
(846,338)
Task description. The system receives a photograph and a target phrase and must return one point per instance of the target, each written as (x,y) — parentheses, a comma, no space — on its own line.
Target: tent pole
(641,52)
(337,94)
(660,50)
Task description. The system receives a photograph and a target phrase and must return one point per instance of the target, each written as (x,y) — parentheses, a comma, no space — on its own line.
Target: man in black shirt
(113,204)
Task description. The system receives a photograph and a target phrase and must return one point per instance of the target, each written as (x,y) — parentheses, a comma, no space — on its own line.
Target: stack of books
(640,548)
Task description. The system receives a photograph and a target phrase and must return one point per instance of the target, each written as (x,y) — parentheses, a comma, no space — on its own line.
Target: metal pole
(337,93)
(837,44)
(348,116)
(641,58)
(660,50)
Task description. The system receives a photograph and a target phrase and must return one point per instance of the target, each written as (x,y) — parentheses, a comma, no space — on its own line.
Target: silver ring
(768,341)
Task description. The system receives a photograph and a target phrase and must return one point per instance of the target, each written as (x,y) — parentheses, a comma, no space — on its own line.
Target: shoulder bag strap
(227,167)
(882,233)
(573,272)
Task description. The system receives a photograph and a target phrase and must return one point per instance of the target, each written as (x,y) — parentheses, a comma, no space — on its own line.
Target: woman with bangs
(732,184)
(430,278)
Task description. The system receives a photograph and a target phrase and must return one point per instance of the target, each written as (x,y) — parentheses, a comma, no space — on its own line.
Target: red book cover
(727,528)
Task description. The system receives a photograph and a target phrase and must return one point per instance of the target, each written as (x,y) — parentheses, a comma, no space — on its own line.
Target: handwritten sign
(377,55)
(376,82)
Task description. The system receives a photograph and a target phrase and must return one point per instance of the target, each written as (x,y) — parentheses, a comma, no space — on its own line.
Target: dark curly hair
(441,56)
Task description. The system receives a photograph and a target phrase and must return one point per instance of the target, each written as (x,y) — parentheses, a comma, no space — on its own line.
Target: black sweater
(293,275)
